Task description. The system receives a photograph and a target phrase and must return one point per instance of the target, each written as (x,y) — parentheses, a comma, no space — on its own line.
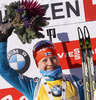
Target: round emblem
(18,60)
(56,90)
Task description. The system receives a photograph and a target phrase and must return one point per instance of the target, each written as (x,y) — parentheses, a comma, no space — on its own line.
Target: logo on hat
(48,53)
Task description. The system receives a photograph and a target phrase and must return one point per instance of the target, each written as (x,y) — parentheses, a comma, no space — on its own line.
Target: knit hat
(43,49)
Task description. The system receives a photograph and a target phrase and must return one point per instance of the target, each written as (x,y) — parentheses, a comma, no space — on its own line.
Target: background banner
(64,16)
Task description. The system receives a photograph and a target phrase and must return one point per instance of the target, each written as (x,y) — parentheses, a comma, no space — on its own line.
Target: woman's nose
(50,62)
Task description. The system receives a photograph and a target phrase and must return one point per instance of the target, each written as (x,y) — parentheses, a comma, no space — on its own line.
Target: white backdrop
(66,32)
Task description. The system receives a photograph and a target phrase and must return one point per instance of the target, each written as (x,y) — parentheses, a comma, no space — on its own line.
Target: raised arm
(23,84)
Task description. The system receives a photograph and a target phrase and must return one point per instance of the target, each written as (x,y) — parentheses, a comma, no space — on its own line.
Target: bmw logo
(56,90)
(19,60)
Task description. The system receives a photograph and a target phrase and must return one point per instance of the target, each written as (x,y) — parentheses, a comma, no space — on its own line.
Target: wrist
(3,40)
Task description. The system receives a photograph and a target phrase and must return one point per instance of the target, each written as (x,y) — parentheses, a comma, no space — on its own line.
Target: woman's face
(48,63)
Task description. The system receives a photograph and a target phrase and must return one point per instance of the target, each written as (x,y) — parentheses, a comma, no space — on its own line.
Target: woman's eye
(53,58)
(44,60)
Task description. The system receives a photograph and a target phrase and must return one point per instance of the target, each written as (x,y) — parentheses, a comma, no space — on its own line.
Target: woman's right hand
(5,34)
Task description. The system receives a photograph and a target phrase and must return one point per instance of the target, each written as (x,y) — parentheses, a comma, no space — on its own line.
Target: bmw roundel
(19,60)
(56,90)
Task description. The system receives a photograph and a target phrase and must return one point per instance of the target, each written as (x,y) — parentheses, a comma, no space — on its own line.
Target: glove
(7,33)
(3,37)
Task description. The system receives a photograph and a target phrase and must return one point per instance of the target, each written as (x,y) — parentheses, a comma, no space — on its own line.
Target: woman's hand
(5,31)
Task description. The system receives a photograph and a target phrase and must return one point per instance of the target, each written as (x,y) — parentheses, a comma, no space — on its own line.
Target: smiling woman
(48,63)
(52,86)
(43,49)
